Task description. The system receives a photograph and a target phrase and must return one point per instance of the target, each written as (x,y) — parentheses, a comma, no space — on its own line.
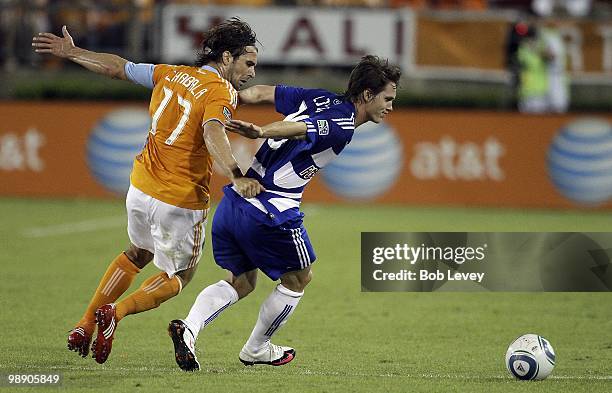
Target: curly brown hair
(232,35)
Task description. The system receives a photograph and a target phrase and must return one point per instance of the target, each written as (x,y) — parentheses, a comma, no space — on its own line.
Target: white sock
(209,304)
(273,314)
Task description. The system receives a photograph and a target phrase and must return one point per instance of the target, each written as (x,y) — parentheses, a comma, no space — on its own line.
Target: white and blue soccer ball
(530,357)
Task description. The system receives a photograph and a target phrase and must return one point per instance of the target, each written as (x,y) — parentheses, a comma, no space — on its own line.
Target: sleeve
(324,132)
(160,71)
(140,73)
(219,105)
(287,98)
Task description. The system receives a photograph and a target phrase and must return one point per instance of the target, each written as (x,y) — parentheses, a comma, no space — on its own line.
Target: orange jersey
(175,166)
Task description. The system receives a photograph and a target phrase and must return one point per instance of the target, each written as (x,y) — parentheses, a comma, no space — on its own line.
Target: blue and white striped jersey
(285,166)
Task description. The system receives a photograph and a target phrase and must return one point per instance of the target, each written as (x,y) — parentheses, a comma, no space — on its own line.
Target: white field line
(323,373)
(68,228)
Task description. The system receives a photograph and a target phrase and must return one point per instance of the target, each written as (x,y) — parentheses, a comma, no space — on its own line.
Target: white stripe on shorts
(197,242)
(300,247)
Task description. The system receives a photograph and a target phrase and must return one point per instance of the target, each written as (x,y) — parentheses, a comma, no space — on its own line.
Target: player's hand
(247,187)
(50,43)
(244,128)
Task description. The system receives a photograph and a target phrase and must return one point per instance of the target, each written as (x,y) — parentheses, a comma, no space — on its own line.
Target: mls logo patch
(309,172)
(227,113)
(323,127)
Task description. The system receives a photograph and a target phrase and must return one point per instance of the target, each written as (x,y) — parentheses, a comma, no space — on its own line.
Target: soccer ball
(530,357)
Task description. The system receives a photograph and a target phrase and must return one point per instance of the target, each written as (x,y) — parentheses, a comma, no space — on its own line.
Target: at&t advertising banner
(423,157)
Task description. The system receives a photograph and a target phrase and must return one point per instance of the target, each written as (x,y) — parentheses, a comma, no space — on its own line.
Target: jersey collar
(210,68)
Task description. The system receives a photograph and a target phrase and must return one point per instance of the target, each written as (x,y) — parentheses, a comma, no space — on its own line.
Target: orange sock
(153,292)
(114,283)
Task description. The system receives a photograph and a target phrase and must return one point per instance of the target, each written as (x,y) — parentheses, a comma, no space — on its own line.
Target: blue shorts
(241,243)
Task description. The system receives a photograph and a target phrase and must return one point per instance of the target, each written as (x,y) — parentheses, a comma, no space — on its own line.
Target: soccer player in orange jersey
(168,198)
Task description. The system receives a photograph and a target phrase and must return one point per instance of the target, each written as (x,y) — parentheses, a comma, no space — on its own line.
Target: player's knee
(309,278)
(186,275)
(244,283)
(297,281)
(243,289)
(305,280)
(138,256)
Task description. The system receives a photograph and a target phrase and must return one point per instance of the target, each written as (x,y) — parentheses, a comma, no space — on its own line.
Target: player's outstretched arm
(277,130)
(259,94)
(100,63)
(219,147)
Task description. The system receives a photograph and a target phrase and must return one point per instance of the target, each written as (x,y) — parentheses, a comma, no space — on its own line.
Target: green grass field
(54,252)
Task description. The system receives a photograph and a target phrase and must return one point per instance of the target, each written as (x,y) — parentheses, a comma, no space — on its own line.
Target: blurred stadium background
(455,138)
(455,155)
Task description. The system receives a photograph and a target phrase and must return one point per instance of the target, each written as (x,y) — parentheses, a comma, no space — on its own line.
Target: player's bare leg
(105,315)
(209,304)
(273,314)
(117,279)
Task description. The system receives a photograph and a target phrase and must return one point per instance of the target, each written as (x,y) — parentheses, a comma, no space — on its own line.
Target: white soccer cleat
(184,345)
(273,355)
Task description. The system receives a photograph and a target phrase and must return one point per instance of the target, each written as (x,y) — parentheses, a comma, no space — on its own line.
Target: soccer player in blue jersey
(266,232)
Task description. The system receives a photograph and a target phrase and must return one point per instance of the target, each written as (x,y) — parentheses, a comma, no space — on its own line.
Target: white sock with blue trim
(209,304)
(273,314)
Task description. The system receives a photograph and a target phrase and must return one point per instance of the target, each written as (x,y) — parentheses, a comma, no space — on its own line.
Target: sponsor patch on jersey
(323,127)
(227,113)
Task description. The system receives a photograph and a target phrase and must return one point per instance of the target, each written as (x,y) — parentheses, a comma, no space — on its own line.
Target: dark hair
(233,36)
(372,73)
